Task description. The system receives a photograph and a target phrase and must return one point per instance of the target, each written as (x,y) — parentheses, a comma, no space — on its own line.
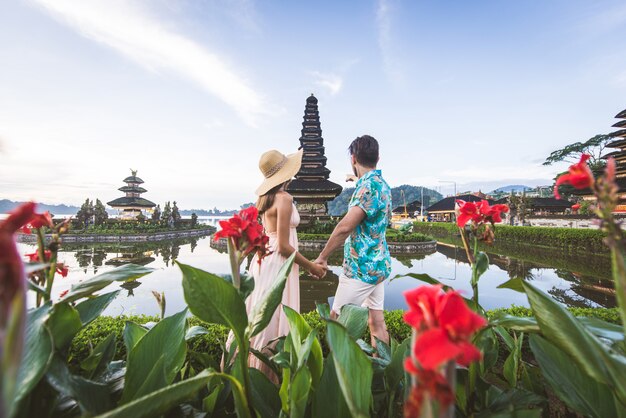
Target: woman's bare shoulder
(284,197)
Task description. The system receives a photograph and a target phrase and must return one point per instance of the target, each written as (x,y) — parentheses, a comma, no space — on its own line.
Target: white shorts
(357,292)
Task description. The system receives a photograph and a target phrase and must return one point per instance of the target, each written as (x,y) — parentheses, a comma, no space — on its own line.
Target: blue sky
(191,92)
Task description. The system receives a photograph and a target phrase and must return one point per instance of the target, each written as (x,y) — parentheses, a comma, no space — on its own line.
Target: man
(362,231)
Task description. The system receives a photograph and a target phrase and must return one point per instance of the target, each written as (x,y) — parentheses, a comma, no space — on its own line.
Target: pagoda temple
(132,205)
(620,158)
(311,188)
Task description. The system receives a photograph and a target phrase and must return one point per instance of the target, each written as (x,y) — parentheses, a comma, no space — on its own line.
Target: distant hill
(511,188)
(339,205)
(8,205)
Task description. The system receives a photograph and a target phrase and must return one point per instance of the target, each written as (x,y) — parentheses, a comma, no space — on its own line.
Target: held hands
(319,268)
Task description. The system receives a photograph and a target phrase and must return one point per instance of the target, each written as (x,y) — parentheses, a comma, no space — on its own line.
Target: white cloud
(329,81)
(137,34)
(391,64)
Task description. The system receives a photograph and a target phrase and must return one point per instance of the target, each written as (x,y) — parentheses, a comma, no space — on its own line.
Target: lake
(448,263)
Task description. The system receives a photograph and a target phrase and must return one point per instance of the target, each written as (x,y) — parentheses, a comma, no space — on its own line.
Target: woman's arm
(284,210)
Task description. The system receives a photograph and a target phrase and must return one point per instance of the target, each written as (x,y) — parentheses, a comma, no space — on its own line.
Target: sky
(190,93)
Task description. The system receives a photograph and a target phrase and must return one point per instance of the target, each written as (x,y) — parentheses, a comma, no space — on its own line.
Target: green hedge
(99,329)
(392,237)
(565,238)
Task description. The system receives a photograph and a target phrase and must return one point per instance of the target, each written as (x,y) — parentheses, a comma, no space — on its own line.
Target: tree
(100,213)
(571,153)
(85,213)
(194,220)
(519,206)
(176,218)
(166,216)
(156,214)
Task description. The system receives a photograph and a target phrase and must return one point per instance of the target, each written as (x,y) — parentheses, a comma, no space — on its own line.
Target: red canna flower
(579,176)
(63,293)
(445,326)
(62,269)
(41,219)
(479,212)
(492,214)
(468,211)
(34,257)
(12,278)
(429,382)
(246,233)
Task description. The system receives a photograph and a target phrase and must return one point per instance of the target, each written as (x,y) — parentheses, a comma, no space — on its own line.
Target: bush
(209,343)
(392,236)
(565,238)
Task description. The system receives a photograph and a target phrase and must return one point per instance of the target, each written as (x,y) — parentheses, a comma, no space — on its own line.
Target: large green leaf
(422,277)
(100,357)
(264,394)
(511,364)
(328,401)
(572,385)
(299,390)
(159,402)
(564,331)
(64,323)
(92,397)
(38,347)
(91,308)
(263,311)
(394,372)
(92,285)
(165,340)
(515,323)
(515,284)
(299,329)
(482,264)
(354,319)
(132,334)
(353,369)
(213,300)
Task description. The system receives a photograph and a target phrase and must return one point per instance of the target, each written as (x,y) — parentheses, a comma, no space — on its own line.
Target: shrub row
(391,237)
(567,238)
(210,343)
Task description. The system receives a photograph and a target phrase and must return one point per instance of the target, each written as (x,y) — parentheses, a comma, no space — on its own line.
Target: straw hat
(278,168)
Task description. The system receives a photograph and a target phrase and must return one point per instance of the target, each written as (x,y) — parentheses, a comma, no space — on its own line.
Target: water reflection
(578,285)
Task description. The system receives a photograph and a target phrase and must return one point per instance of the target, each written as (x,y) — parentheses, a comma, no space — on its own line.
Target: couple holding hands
(361,231)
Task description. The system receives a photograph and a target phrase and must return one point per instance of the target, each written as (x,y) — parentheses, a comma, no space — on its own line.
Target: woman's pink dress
(264,276)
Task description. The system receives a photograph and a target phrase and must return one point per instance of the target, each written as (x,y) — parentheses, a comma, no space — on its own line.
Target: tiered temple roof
(620,156)
(311,188)
(132,203)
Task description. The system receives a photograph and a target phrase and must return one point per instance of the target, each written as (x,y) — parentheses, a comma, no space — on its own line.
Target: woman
(280,218)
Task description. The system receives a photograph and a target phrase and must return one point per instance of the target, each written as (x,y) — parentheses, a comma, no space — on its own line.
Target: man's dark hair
(365,149)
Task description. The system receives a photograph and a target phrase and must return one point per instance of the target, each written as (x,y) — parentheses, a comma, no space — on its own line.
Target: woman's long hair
(265,201)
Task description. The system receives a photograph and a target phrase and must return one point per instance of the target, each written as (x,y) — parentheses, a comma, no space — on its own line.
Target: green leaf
(213,300)
(511,364)
(383,349)
(394,372)
(159,402)
(264,395)
(91,308)
(422,277)
(328,401)
(299,390)
(573,386)
(167,341)
(298,329)
(353,369)
(132,334)
(482,264)
(92,397)
(603,329)
(515,323)
(37,352)
(195,331)
(563,330)
(120,274)
(323,310)
(64,323)
(506,337)
(354,319)
(263,311)
(100,357)
(515,284)
(30,268)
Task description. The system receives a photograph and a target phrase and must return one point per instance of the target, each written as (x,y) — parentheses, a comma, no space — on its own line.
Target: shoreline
(86,238)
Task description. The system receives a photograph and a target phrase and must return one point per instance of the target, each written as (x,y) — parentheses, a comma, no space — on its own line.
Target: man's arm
(342,231)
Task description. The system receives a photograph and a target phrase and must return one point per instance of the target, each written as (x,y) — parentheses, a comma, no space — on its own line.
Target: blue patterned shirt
(366,255)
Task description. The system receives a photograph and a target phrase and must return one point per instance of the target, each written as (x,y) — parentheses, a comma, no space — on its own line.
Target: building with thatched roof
(132,204)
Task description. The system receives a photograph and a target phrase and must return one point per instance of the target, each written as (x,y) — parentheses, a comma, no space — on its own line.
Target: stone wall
(564,222)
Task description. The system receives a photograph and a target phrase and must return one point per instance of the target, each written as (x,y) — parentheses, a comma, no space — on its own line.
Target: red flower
(62,269)
(245,232)
(579,176)
(445,326)
(63,293)
(12,278)
(429,382)
(468,211)
(479,212)
(34,257)
(41,219)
